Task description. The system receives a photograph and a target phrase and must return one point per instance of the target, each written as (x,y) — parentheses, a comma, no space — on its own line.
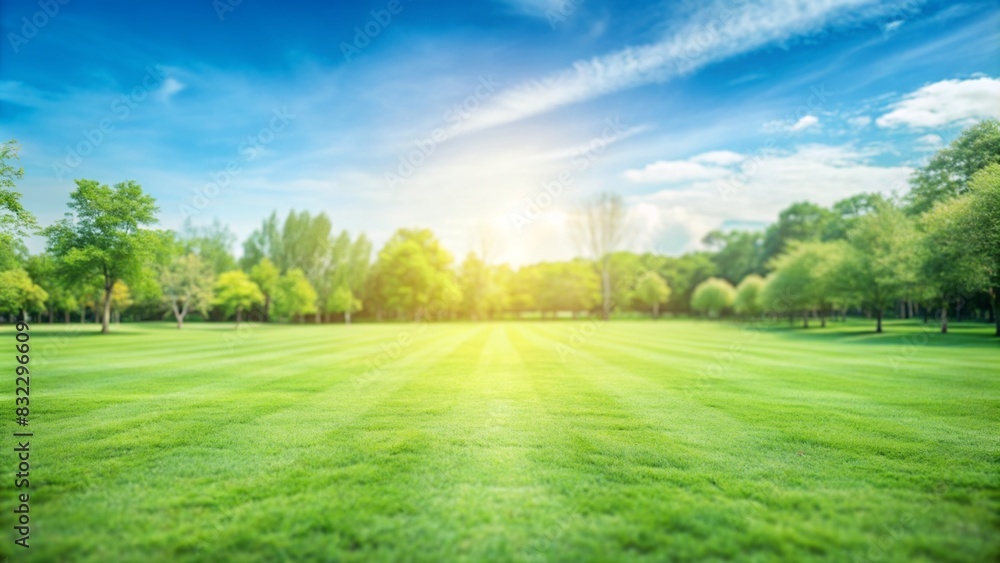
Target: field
(560,440)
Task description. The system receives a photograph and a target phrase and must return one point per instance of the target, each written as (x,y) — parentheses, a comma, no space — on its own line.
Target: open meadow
(516,441)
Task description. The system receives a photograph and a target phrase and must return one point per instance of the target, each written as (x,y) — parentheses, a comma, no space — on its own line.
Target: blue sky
(494,116)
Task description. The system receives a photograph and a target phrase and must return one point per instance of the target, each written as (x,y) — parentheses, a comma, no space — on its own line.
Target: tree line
(934,251)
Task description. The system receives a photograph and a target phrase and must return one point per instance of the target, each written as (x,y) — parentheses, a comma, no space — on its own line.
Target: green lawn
(527,441)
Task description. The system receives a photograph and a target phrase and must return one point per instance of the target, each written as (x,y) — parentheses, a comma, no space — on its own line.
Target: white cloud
(671,171)
(715,33)
(803,123)
(756,189)
(930,142)
(170,87)
(892,26)
(719,157)
(860,121)
(948,102)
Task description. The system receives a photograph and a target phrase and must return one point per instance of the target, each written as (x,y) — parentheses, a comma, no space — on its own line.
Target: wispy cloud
(715,33)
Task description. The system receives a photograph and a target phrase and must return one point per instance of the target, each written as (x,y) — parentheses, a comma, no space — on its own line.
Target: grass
(531,441)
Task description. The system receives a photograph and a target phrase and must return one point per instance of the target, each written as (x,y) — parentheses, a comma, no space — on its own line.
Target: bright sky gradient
(319,107)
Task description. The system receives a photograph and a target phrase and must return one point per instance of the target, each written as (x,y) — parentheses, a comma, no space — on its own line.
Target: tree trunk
(656,310)
(106,316)
(267,308)
(878,322)
(347,317)
(805,319)
(66,313)
(822,318)
(83,315)
(944,317)
(319,317)
(239,316)
(958,310)
(50,317)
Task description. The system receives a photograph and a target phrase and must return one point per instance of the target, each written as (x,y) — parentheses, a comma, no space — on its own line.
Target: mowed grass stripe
(481,441)
(265,473)
(784,439)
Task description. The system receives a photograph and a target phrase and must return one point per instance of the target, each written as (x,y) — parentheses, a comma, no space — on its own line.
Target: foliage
(295,295)
(950,170)
(415,274)
(15,220)
(235,293)
(19,293)
(749,299)
(713,296)
(187,284)
(103,236)
(652,290)
(736,254)
(882,260)
(266,275)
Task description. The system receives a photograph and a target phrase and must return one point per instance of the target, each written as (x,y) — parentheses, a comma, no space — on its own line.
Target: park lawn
(560,440)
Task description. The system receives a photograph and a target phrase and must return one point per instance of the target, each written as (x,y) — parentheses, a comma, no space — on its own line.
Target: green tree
(15,221)
(652,290)
(521,290)
(802,221)
(235,292)
(344,301)
(736,253)
(295,296)
(351,262)
(483,291)
(683,274)
(950,170)
(414,274)
(264,242)
(266,275)
(713,296)
(983,229)
(880,262)
(846,212)
(749,300)
(213,243)
(19,294)
(187,284)
(947,265)
(804,276)
(104,236)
